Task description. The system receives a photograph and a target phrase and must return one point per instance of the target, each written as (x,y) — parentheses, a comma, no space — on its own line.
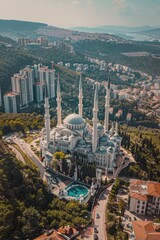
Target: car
(95,237)
(97,216)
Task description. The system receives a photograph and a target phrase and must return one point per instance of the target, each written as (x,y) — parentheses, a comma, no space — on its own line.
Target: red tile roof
(50,235)
(138,196)
(144,230)
(153,189)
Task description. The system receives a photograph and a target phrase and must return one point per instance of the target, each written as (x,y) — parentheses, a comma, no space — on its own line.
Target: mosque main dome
(74,121)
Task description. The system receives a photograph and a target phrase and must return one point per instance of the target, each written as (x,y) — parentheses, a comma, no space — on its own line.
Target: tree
(6,220)
(121,206)
(59,156)
(30,222)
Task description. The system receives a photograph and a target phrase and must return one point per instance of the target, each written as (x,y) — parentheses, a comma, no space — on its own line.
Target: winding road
(100,209)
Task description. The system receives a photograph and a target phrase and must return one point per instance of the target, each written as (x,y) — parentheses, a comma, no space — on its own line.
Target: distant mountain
(112,29)
(152,32)
(16,29)
(15,25)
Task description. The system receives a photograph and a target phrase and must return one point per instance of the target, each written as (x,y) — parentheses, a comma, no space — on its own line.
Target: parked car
(97,216)
(95,237)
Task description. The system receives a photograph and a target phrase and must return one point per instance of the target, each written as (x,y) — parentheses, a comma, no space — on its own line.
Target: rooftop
(140,187)
(74,119)
(145,230)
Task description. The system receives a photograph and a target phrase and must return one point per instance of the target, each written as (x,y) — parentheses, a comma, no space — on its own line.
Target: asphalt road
(26,149)
(100,209)
(18,155)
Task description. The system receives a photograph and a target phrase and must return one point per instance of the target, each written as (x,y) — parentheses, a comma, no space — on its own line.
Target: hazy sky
(69,13)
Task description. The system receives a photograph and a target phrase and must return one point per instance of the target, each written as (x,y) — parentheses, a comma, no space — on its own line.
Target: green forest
(144,144)
(112,52)
(26,207)
(11,61)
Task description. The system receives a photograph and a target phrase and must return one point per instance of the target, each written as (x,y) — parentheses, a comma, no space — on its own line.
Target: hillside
(112,29)
(17,29)
(113,52)
(152,32)
(11,61)
(26,207)
(15,25)
(144,144)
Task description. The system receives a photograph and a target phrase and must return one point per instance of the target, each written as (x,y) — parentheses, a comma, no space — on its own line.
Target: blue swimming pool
(76,191)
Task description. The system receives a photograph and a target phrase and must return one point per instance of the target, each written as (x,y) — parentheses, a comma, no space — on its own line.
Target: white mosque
(73,135)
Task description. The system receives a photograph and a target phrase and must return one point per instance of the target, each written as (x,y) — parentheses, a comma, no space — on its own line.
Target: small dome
(116,135)
(110,149)
(58,135)
(74,119)
(71,137)
(82,142)
(100,126)
(102,149)
(113,139)
(110,144)
(65,138)
(104,139)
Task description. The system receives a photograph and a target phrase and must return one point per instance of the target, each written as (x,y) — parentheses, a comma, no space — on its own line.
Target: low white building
(144,197)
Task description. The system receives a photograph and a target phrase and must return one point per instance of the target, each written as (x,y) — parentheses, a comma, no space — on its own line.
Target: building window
(142,207)
(142,212)
(137,206)
(139,202)
(143,203)
(137,211)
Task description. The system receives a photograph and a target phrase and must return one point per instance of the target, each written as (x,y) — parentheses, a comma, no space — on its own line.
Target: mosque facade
(99,144)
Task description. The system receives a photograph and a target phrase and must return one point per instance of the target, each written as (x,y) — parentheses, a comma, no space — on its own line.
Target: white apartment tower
(19,85)
(39,91)
(48,76)
(11,101)
(29,73)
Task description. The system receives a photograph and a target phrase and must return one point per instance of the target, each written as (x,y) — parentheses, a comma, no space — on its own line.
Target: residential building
(43,41)
(11,102)
(128,117)
(19,85)
(50,235)
(47,76)
(145,230)
(63,233)
(29,73)
(144,197)
(39,91)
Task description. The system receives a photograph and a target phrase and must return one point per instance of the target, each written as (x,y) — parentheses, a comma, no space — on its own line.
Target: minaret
(95,119)
(47,116)
(80,96)
(107,106)
(59,100)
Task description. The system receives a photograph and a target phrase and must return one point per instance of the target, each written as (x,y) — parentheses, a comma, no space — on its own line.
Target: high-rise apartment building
(11,102)
(48,76)
(29,73)
(19,85)
(39,91)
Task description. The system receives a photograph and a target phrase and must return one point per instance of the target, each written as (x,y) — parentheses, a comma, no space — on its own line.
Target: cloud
(89,2)
(120,4)
(74,2)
